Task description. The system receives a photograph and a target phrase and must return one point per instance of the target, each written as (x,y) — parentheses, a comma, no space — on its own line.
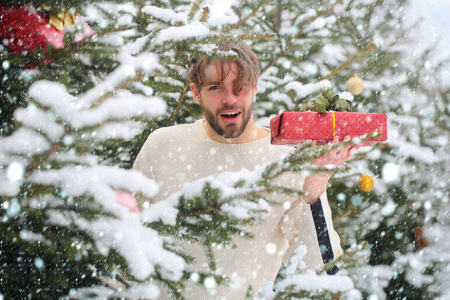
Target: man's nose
(229,98)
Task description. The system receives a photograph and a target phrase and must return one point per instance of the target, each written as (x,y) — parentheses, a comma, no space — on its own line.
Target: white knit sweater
(184,153)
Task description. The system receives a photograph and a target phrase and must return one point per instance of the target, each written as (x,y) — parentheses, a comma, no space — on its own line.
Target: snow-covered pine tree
(406,210)
(82,130)
(56,196)
(61,222)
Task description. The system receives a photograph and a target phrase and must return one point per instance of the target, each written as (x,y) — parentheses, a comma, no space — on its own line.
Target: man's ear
(196,94)
(255,90)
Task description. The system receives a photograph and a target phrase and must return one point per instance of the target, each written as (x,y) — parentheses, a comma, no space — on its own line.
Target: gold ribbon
(334,124)
(62,19)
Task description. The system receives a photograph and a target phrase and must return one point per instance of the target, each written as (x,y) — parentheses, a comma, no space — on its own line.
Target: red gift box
(291,128)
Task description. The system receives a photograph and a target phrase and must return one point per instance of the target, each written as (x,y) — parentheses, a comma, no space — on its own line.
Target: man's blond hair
(246,61)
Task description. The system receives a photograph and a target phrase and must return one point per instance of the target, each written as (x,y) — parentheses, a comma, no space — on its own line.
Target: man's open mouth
(230,115)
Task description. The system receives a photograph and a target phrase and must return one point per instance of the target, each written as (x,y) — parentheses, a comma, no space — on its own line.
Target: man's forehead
(214,69)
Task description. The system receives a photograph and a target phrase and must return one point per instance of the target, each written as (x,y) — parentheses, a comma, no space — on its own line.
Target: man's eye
(214,87)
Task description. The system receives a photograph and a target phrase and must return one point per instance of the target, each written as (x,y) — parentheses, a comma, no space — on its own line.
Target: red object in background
(23,29)
(290,128)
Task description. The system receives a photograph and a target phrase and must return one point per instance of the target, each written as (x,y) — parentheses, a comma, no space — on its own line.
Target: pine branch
(254,12)
(108,32)
(291,46)
(122,85)
(197,213)
(47,156)
(323,13)
(204,15)
(57,146)
(180,101)
(356,58)
(353,210)
(194,9)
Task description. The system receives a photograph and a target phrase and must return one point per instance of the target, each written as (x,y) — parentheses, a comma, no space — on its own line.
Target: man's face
(226,113)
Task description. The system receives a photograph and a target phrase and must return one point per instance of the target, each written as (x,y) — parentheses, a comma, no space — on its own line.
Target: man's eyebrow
(218,82)
(212,83)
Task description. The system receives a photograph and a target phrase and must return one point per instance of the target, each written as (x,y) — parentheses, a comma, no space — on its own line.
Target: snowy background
(433,29)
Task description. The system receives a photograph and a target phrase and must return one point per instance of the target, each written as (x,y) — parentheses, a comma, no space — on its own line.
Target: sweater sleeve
(144,163)
(301,227)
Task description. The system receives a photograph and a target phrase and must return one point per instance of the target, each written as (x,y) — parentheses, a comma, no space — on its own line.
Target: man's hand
(316,183)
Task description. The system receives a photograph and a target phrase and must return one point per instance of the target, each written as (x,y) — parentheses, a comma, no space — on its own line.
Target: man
(228,139)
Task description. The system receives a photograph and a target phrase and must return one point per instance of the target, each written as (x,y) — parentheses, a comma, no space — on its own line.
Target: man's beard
(230,130)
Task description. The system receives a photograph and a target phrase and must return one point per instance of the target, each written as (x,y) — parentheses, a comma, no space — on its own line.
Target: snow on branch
(304,90)
(166,211)
(142,247)
(182,33)
(295,280)
(99,182)
(130,65)
(165,15)
(124,105)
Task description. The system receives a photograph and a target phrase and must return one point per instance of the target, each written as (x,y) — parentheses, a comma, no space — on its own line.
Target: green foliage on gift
(328,100)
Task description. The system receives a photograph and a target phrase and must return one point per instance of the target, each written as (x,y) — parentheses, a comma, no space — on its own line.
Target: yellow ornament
(365,183)
(355,85)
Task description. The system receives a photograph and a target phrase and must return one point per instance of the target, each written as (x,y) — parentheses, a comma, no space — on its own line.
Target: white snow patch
(146,251)
(304,90)
(166,15)
(182,33)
